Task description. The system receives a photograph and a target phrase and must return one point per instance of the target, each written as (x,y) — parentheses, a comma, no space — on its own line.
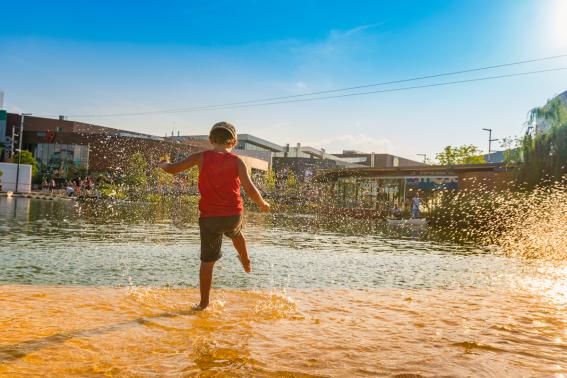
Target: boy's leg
(205,281)
(211,242)
(240,245)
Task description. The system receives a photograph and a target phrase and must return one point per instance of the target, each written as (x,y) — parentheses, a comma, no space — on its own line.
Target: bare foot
(199,307)
(245,264)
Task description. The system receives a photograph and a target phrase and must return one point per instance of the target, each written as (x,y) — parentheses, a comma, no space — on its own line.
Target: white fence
(8,179)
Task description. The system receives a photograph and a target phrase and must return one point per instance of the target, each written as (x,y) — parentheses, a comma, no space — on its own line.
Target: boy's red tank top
(219,185)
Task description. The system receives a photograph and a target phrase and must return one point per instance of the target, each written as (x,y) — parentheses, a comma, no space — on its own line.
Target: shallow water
(108,291)
(100,331)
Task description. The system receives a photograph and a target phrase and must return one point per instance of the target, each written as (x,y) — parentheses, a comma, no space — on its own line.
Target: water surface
(107,290)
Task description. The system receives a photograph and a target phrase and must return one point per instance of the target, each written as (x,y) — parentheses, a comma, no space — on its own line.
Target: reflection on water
(15,208)
(315,332)
(327,297)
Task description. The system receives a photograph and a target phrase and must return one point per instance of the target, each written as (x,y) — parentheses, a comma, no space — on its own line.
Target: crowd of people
(48,186)
(414,207)
(73,188)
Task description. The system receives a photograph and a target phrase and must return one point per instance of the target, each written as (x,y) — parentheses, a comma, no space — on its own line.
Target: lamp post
(21,136)
(13,138)
(424,158)
(490,140)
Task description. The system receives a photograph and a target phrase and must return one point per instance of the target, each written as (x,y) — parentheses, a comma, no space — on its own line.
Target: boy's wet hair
(223,133)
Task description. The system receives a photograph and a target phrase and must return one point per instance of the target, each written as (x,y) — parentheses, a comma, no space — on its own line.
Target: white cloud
(338,42)
(12,108)
(353,31)
(359,142)
(301,85)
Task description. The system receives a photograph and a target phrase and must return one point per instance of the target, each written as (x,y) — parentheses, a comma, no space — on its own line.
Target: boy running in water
(220,175)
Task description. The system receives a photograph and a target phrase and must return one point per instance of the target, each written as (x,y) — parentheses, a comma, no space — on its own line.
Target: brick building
(59,143)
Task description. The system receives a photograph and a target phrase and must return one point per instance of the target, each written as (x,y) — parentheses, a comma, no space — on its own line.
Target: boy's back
(219,185)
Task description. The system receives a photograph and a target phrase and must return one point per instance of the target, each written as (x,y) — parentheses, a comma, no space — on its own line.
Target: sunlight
(552,285)
(556,30)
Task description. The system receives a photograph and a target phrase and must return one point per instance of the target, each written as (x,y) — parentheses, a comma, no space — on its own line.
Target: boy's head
(223,133)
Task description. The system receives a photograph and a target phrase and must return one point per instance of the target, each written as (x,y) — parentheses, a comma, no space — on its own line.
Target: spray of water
(529,224)
(537,228)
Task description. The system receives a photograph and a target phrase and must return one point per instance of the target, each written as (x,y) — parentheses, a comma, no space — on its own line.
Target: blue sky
(82,58)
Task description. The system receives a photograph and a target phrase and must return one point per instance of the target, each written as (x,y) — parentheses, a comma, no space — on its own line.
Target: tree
(466,154)
(291,180)
(512,149)
(26,158)
(160,178)
(554,112)
(545,153)
(545,156)
(135,174)
(270,180)
(192,175)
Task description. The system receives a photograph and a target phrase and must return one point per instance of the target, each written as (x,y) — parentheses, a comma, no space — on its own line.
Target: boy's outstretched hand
(264,206)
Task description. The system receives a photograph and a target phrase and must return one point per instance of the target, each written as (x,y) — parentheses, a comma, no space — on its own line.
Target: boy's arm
(180,166)
(249,186)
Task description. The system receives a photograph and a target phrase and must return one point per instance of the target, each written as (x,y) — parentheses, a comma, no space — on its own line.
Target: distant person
(44,185)
(52,185)
(70,191)
(415,206)
(396,212)
(220,205)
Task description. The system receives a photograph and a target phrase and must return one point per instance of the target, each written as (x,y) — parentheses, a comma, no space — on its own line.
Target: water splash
(276,305)
(537,228)
(529,224)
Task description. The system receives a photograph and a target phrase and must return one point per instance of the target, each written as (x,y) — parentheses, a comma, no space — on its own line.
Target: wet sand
(58,331)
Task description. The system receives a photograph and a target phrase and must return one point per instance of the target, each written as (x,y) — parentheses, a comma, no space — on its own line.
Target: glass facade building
(251,147)
(56,155)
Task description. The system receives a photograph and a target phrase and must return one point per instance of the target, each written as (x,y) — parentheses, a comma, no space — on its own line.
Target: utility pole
(424,158)
(21,137)
(490,140)
(12,144)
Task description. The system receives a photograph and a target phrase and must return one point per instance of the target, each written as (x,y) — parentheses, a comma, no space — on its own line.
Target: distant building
(3,133)
(58,144)
(300,151)
(379,189)
(302,160)
(305,161)
(494,157)
(377,160)
(248,145)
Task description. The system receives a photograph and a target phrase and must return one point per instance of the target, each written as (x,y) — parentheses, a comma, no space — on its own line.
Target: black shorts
(212,229)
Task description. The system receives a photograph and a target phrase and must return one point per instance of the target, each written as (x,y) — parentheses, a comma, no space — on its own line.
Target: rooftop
(423,170)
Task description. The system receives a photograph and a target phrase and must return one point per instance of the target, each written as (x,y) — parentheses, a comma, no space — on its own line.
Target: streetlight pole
(424,158)
(13,138)
(21,136)
(490,140)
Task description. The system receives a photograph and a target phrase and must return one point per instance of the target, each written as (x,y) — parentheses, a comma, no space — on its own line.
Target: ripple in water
(352,301)
(63,331)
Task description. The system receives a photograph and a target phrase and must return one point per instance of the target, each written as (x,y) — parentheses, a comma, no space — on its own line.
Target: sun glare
(557,23)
